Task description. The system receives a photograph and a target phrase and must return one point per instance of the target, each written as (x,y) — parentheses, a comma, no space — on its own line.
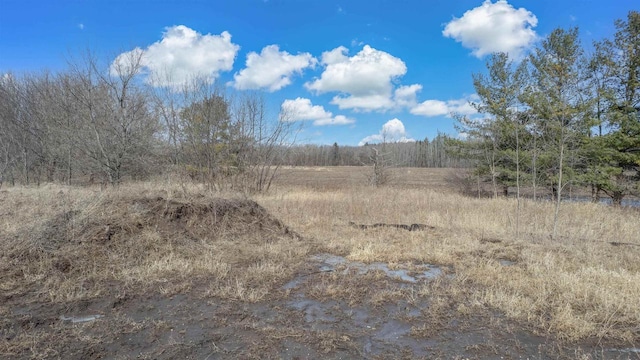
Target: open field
(166,269)
(346,177)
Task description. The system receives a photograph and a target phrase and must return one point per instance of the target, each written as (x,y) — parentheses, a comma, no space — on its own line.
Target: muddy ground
(327,308)
(303,324)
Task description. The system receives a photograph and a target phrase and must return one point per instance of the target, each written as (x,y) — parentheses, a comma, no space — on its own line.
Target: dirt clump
(232,216)
(118,220)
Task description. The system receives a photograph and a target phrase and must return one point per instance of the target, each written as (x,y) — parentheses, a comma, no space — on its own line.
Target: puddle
(80,319)
(377,330)
(505,262)
(392,330)
(626,351)
(293,283)
(314,311)
(330,262)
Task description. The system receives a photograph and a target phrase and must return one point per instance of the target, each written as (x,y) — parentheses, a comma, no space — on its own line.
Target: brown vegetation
(154,257)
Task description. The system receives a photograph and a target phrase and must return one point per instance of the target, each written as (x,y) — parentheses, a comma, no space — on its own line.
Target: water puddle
(626,351)
(293,283)
(80,319)
(392,330)
(403,326)
(314,311)
(330,262)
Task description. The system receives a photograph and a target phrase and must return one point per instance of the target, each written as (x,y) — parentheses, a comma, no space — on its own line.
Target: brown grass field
(170,270)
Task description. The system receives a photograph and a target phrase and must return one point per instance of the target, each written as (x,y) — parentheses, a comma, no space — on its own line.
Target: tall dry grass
(577,286)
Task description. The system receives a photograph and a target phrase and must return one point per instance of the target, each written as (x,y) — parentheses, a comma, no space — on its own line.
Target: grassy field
(229,274)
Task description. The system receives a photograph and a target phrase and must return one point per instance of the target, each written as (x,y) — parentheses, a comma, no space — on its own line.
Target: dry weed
(577,286)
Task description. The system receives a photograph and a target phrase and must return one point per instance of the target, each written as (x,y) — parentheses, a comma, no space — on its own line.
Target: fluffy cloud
(364,80)
(405,96)
(494,27)
(431,108)
(271,69)
(364,102)
(183,54)
(392,131)
(301,109)
(128,62)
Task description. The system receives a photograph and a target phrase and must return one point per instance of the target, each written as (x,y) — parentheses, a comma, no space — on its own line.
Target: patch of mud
(296,327)
(317,314)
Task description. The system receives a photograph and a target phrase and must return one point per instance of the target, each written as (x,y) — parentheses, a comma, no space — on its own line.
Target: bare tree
(118,128)
(262,141)
(381,167)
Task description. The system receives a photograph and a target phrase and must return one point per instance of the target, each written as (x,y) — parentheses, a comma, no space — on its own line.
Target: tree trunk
(617,197)
(559,193)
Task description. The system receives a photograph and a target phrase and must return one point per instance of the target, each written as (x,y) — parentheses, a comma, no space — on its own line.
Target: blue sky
(350,71)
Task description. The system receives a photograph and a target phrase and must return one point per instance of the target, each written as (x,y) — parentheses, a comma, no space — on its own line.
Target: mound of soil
(232,216)
(176,219)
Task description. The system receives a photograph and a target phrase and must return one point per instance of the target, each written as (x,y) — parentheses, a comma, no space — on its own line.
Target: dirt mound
(231,216)
(116,220)
(178,220)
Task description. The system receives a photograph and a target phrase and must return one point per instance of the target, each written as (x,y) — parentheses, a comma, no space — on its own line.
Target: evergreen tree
(494,141)
(558,100)
(623,137)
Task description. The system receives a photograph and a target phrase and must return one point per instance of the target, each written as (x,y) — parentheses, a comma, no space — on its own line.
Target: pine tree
(558,100)
(623,113)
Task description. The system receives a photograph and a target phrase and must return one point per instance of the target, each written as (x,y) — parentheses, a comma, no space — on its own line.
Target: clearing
(164,270)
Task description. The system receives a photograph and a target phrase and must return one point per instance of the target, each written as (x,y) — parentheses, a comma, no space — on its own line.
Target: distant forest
(422,153)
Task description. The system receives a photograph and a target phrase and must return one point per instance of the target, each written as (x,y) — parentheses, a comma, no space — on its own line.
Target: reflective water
(330,262)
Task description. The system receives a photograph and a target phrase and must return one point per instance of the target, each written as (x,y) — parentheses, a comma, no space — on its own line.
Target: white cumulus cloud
(494,27)
(431,108)
(271,69)
(392,131)
(364,81)
(302,109)
(406,96)
(183,54)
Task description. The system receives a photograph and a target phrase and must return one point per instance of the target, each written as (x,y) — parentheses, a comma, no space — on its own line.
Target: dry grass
(576,286)
(56,247)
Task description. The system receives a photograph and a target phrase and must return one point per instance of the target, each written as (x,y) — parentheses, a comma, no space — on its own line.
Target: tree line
(560,117)
(421,153)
